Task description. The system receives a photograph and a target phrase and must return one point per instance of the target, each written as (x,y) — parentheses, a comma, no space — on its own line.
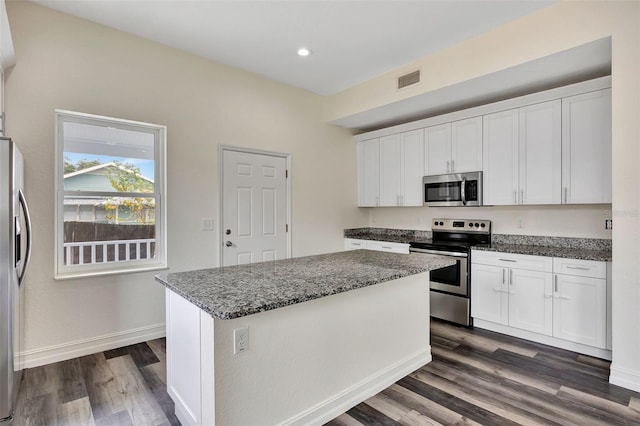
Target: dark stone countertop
(534,250)
(236,291)
(566,247)
(405,239)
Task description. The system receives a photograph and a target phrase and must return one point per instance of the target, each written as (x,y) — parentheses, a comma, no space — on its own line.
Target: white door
(254,207)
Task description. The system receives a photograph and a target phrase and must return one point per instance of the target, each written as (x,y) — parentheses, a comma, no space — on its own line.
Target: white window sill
(102,273)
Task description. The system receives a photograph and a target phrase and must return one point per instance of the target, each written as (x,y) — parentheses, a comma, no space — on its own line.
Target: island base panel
(308,362)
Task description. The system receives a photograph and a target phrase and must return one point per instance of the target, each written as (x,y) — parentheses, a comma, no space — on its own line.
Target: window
(110,203)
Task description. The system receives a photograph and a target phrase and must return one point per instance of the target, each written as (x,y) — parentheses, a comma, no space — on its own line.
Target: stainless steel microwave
(451,190)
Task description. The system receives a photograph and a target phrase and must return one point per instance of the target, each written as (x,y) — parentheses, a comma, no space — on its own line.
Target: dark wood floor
(476,377)
(125,386)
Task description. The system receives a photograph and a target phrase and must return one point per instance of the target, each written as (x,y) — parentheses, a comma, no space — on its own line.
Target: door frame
(221,150)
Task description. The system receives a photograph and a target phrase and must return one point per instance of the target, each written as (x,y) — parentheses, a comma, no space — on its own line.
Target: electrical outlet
(608,224)
(520,223)
(240,340)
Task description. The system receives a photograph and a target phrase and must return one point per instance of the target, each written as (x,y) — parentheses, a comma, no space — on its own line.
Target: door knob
(228,243)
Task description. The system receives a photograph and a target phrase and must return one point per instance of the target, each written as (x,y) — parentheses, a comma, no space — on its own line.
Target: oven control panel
(461,225)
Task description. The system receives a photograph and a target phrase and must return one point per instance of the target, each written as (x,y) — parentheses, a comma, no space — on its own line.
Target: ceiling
(351,41)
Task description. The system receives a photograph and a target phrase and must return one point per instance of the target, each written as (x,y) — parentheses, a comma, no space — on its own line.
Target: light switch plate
(207,224)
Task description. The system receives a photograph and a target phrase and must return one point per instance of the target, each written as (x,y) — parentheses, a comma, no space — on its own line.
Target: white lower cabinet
(489,294)
(355,244)
(501,292)
(530,301)
(580,302)
(556,301)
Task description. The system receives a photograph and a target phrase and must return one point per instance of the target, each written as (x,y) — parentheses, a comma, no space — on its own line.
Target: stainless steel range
(450,286)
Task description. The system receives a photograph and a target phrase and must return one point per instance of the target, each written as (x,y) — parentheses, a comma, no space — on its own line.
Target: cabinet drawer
(582,268)
(354,244)
(386,246)
(509,260)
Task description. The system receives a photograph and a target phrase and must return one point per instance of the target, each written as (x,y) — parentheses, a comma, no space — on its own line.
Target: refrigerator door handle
(27,217)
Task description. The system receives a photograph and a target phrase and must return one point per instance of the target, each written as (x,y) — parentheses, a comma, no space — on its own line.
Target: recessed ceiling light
(303,51)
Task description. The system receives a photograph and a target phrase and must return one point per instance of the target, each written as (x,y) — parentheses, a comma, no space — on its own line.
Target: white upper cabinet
(437,152)
(390,170)
(368,155)
(551,147)
(466,145)
(540,153)
(586,148)
(412,167)
(522,155)
(500,173)
(454,147)
(390,173)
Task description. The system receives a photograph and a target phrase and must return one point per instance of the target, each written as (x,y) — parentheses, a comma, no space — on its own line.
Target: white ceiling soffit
(351,41)
(581,63)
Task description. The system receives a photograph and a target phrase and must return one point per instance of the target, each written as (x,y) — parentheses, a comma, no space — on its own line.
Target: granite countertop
(405,239)
(236,291)
(535,250)
(385,234)
(537,245)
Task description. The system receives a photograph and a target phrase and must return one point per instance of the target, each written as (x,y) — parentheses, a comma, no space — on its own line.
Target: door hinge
(286,227)
(286,174)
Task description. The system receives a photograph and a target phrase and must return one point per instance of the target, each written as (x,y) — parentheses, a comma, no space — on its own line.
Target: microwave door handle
(463,186)
(27,216)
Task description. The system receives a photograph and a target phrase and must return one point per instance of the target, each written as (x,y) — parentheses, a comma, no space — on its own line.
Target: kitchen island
(294,341)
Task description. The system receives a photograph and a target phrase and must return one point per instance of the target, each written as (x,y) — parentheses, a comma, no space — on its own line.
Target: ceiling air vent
(409,79)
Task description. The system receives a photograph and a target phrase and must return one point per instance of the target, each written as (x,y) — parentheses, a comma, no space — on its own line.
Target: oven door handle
(439,253)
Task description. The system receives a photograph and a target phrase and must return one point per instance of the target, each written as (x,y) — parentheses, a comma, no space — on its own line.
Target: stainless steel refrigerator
(15,251)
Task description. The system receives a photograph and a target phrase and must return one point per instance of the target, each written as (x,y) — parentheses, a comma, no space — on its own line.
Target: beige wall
(72,64)
(558,27)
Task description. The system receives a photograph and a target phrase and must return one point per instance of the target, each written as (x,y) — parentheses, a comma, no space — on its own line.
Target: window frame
(62,271)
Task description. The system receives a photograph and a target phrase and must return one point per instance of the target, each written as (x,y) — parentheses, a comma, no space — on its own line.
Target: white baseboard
(352,396)
(625,378)
(69,350)
(546,340)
